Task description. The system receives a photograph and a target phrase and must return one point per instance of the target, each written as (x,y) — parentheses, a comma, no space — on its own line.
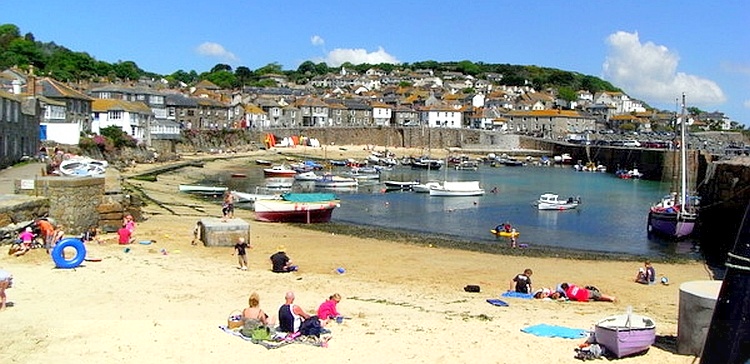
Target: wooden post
(728,338)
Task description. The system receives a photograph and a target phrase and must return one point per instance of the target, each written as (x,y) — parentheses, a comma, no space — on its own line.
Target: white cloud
(216,50)
(339,56)
(317,40)
(649,71)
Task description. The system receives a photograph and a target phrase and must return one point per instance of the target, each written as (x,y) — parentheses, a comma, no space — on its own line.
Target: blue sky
(653,50)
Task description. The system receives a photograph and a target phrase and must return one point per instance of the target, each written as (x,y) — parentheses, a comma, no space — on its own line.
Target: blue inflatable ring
(59,258)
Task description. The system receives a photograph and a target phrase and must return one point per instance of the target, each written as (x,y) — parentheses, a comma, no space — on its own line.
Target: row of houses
(150,110)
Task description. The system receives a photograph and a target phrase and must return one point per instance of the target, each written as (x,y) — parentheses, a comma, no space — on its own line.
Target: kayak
(505,234)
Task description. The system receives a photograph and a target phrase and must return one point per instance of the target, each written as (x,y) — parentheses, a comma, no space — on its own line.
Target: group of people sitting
(521,283)
(292,319)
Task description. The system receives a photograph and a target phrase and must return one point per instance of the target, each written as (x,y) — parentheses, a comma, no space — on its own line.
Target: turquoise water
(611,218)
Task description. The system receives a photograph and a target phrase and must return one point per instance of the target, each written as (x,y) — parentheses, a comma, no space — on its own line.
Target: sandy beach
(406,300)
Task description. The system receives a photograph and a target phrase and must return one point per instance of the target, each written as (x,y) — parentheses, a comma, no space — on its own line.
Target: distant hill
(61,63)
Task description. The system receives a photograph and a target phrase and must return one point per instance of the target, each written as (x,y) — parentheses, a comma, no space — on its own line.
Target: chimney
(16,87)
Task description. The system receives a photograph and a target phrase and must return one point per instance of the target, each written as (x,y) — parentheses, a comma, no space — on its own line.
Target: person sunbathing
(549,293)
(585,294)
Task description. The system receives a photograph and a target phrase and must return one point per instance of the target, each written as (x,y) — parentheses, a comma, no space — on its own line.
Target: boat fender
(58,255)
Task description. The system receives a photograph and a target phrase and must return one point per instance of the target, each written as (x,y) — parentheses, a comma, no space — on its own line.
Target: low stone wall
(73,201)
(19,208)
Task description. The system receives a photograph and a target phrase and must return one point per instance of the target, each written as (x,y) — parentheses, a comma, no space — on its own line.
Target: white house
(133,117)
(441,116)
(381,113)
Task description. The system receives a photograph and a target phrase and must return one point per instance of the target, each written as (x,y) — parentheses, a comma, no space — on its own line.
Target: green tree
(243,74)
(468,68)
(307,68)
(223,79)
(271,68)
(127,70)
(567,94)
(221,67)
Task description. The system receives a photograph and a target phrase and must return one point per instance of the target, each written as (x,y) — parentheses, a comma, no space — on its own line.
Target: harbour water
(611,218)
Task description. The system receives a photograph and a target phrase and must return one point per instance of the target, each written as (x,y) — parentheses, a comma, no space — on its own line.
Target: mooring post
(728,338)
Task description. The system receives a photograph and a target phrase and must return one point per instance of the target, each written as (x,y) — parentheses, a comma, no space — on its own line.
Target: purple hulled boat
(625,334)
(675,215)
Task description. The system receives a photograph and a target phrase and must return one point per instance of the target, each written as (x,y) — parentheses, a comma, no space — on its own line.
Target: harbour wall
(724,197)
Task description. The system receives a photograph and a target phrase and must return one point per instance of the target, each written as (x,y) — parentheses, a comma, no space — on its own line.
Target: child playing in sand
(647,274)
(240,248)
(521,283)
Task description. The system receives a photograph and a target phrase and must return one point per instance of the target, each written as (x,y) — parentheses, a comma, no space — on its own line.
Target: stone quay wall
(724,197)
(73,201)
(19,208)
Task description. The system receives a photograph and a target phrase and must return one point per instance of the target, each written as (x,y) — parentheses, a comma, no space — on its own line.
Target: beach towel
(280,340)
(497,302)
(514,294)
(545,330)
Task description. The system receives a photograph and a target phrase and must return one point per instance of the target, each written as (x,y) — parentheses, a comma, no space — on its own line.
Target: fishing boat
(625,334)
(462,188)
(357,173)
(263,162)
(551,201)
(279,171)
(674,216)
(333,181)
(297,207)
(202,189)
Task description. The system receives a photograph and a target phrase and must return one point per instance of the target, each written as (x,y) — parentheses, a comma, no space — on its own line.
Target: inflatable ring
(58,255)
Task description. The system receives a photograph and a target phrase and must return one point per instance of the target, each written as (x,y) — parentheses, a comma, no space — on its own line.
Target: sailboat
(462,188)
(676,214)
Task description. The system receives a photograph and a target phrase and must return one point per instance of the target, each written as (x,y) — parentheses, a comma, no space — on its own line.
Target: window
(105,95)
(140,97)
(114,115)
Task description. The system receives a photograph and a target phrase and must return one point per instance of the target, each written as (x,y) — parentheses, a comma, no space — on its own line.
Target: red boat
(279,171)
(297,207)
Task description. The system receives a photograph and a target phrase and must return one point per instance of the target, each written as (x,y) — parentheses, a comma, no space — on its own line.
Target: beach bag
(311,327)
(255,330)
(472,288)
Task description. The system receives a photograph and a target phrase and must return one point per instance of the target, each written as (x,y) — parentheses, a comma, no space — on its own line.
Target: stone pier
(217,232)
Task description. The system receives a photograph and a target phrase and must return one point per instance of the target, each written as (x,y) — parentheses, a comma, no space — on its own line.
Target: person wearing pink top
(26,237)
(327,309)
(581,294)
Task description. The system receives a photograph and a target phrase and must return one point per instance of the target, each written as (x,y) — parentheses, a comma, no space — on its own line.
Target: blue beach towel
(515,294)
(545,330)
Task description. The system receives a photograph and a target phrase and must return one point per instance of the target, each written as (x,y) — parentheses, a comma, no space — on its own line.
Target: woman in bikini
(253,311)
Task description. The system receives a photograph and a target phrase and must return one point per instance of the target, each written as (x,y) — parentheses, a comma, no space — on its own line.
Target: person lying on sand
(585,294)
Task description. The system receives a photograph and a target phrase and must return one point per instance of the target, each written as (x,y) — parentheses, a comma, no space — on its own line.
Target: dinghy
(625,334)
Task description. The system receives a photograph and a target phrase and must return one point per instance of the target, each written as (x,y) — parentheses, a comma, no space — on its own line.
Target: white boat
(467,166)
(82,167)
(202,189)
(279,182)
(551,201)
(425,187)
(252,197)
(357,173)
(307,176)
(462,188)
(333,181)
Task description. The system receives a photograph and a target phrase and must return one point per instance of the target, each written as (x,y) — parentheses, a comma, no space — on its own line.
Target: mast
(683,158)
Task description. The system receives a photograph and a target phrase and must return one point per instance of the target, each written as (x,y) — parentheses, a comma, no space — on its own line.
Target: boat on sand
(297,207)
(625,334)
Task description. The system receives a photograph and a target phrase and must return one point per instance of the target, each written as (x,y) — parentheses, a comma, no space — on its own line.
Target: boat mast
(683,157)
